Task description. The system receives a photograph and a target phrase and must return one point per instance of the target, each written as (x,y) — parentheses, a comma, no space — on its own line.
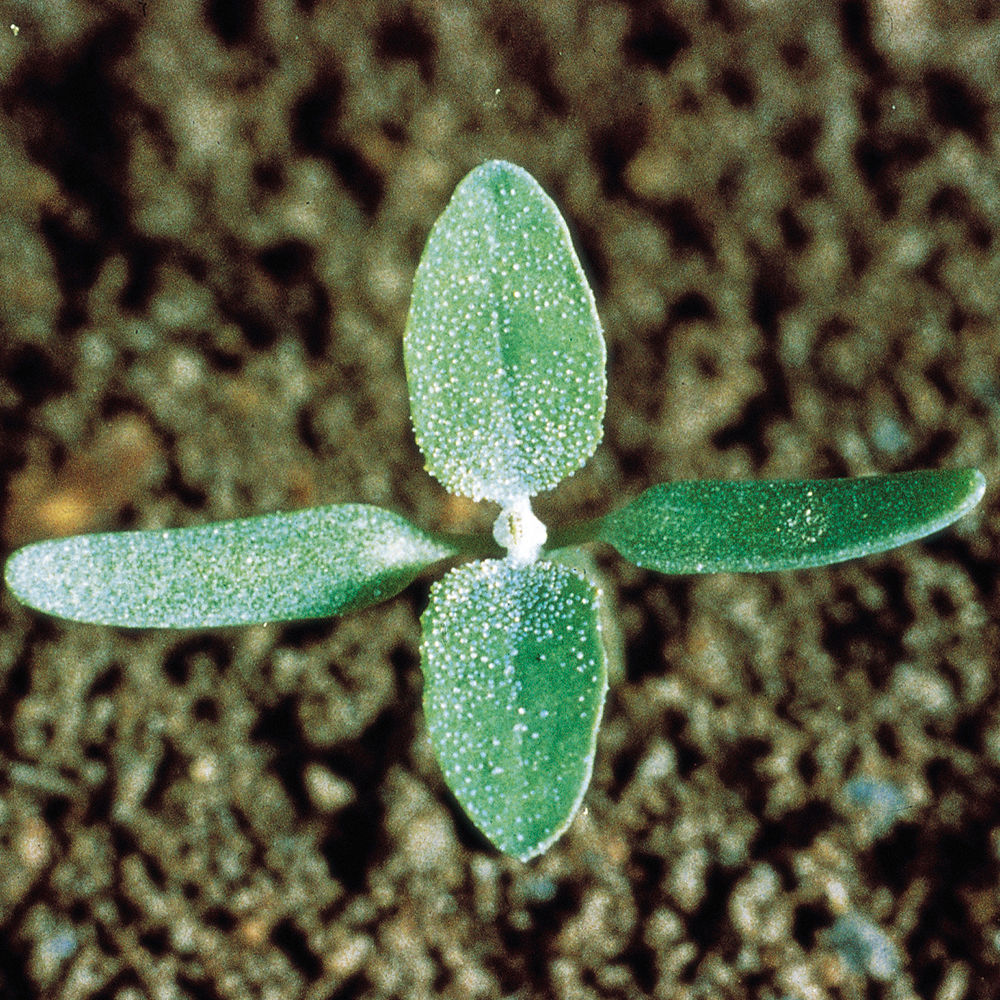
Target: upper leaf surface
(503,348)
(514,685)
(305,564)
(707,527)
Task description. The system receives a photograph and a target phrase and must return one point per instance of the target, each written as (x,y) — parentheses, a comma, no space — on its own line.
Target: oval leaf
(504,352)
(708,527)
(305,564)
(514,685)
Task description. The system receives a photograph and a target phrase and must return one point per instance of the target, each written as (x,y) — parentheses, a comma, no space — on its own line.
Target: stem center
(520,532)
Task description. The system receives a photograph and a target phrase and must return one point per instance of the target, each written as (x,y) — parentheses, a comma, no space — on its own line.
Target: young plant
(505,363)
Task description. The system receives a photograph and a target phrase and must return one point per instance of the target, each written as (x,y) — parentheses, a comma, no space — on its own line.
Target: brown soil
(210,214)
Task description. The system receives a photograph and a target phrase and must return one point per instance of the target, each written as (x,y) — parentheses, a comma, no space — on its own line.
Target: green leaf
(514,685)
(305,564)
(708,527)
(503,348)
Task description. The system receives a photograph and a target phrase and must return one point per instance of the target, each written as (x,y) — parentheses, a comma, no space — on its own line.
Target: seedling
(505,363)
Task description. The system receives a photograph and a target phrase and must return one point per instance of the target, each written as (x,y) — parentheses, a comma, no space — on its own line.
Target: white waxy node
(520,532)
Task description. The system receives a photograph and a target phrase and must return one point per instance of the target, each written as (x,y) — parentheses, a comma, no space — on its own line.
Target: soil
(210,215)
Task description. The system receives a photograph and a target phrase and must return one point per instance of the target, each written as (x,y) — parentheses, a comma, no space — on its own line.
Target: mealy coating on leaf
(713,526)
(302,564)
(504,353)
(514,685)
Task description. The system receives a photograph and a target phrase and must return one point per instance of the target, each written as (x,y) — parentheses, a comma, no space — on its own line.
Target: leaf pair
(505,364)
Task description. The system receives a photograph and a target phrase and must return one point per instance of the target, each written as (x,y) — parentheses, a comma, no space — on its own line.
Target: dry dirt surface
(210,215)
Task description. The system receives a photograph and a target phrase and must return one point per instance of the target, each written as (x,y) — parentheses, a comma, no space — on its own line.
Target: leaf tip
(978,488)
(20,575)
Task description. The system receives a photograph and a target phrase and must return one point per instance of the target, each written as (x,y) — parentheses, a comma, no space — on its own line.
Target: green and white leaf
(708,527)
(514,686)
(304,564)
(503,348)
